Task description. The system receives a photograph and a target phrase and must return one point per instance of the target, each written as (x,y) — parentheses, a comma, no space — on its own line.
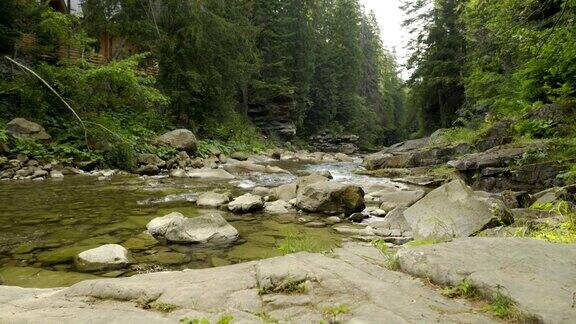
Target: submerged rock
(178,228)
(246,203)
(453,210)
(105,257)
(331,198)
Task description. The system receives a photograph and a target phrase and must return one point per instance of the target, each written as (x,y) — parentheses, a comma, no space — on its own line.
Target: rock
(369,291)
(105,257)
(149,170)
(395,220)
(500,156)
(39,173)
(22,128)
(453,210)
(410,145)
(540,277)
(344,143)
(324,173)
(213,174)
(167,258)
(150,159)
(246,203)
(375,161)
(178,173)
(262,191)
(331,198)
(177,228)
(240,156)
(285,192)
(142,241)
(391,200)
(341,157)
(243,167)
(213,199)
(357,217)
(3,148)
(529,215)
(278,207)
(333,220)
(497,135)
(180,139)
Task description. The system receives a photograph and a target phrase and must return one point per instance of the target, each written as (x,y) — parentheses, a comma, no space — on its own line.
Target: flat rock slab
(539,276)
(353,276)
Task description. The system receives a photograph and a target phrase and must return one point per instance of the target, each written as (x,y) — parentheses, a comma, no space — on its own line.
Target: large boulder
(246,203)
(500,156)
(331,198)
(537,276)
(453,210)
(391,200)
(22,128)
(180,139)
(290,191)
(105,257)
(178,228)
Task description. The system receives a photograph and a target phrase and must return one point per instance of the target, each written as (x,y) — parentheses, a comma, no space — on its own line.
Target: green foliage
(464,289)
(31,148)
(287,287)
(425,242)
(165,307)
(331,313)
(299,242)
(188,320)
(502,305)
(534,128)
(562,230)
(391,260)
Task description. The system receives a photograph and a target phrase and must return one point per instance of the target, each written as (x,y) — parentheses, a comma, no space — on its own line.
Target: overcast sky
(390,18)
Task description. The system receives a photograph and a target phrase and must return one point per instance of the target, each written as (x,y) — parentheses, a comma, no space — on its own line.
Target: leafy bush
(534,128)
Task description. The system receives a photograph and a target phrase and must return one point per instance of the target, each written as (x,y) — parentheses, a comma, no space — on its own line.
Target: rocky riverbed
(206,239)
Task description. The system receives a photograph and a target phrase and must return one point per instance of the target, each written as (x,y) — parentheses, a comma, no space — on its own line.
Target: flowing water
(43,225)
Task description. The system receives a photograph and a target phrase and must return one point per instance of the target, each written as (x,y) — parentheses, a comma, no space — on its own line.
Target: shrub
(534,128)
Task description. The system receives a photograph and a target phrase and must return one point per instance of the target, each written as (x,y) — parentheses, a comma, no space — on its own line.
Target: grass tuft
(165,307)
(464,289)
(331,313)
(299,242)
(289,287)
(391,260)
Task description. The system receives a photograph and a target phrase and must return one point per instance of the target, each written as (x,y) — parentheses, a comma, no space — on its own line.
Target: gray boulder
(278,207)
(22,128)
(395,220)
(540,277)
(150,159)
(331,198)
(391,200)
(246,203)
(178,228)
(212,199)
(105,257)
(180,139)
(453,210)
(149,170)
(213,174)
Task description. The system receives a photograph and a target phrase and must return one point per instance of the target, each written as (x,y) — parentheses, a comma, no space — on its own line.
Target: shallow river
(43,225)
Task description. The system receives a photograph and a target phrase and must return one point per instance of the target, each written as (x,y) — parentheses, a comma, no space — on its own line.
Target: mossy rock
(29,277)
(62,255)
(167,258)
(142,241)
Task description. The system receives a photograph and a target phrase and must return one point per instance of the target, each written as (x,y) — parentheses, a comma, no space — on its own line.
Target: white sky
(390,18)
